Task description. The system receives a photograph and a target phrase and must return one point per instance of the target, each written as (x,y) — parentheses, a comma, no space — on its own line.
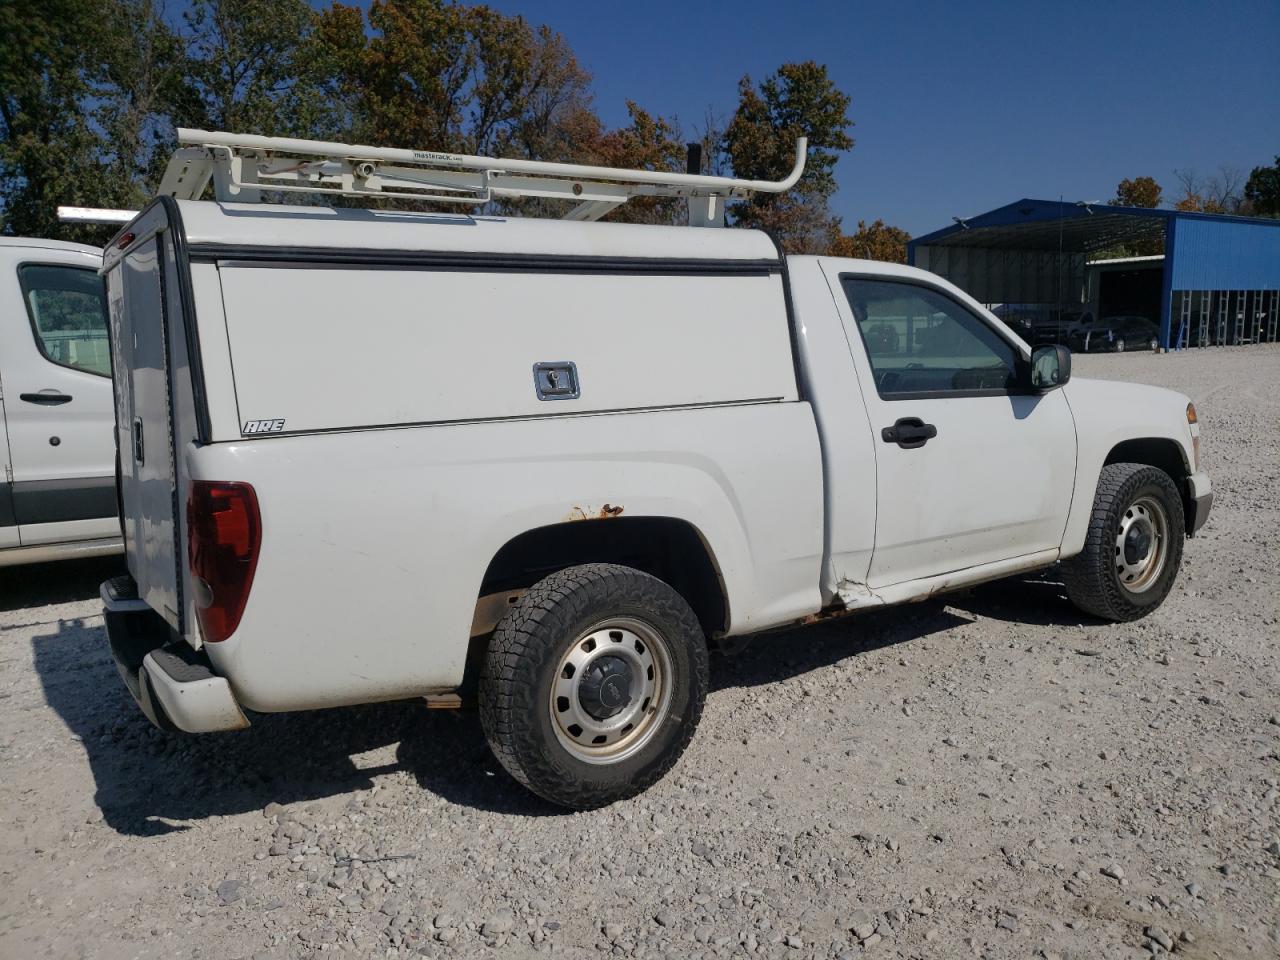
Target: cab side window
(68,311)
(921,342)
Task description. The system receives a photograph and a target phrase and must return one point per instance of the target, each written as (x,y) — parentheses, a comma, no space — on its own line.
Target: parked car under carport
(1115,335)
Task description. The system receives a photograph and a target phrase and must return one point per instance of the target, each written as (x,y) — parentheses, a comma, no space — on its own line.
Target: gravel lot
(983,775)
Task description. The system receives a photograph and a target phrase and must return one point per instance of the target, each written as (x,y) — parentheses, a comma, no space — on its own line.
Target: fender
(1108,413)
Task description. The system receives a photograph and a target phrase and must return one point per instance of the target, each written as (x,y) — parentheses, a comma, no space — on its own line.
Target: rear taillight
(224,532)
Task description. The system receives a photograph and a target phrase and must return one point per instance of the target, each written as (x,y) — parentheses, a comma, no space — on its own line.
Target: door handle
(46,398)
(139,451)
(909,433)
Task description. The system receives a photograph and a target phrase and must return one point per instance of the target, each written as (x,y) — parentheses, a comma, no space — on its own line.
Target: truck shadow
(783,654)
(63,582)
(148,782)
(1038,599)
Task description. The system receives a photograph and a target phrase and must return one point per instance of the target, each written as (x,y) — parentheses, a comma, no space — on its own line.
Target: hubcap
(1142,545)
(611,691)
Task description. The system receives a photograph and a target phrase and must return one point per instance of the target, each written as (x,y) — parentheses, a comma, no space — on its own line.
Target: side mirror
(1050,368)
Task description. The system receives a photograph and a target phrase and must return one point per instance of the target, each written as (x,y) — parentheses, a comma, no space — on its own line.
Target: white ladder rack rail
(242,166)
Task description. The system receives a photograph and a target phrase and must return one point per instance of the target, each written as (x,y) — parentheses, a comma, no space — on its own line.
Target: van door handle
(909,433)
(46,398)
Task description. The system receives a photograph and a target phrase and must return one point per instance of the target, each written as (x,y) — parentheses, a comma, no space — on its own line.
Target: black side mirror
(1050,368)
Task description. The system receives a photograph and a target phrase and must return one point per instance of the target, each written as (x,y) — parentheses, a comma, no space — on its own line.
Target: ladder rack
(242,166)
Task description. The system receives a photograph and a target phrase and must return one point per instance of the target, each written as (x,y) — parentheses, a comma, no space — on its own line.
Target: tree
(1262,191)
(879,241)
(81,82)
(1138,192)
(647,143)
(255,68)
(799,99)
(442,76)
(1218,193)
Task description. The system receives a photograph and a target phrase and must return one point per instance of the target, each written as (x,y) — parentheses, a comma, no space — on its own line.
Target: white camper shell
(539,465)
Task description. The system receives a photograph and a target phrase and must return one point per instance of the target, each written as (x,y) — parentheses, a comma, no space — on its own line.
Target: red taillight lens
(224,532)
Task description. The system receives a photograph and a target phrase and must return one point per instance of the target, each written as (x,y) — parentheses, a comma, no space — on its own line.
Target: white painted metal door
(147,478)
(8,522)
(58,404)
(968,472)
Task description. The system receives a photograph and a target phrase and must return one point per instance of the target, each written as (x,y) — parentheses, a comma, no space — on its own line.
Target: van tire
(526,663)
(1092,577)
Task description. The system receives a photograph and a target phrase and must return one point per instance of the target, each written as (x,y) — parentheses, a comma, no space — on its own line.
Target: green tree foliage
(799,99)
(1138,192)
(255,66)
(91,92)
(1262,191)
(80,85)
(877,241)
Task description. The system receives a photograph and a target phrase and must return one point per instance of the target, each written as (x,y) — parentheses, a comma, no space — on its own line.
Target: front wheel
(1120,345)
(1133,546)
(593,684)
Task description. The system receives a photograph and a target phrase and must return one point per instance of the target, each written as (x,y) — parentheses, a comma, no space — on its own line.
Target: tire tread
(1088,576)
(508,694)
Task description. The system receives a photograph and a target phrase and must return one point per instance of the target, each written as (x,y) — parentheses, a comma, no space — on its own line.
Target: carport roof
(1072,227)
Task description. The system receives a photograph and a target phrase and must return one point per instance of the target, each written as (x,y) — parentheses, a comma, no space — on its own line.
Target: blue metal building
(1221,274)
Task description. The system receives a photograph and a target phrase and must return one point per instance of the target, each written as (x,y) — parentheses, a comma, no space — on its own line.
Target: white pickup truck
(58,493)
(370,455)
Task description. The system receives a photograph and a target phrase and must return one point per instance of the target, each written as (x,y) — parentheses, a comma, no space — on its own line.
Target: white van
(58,498)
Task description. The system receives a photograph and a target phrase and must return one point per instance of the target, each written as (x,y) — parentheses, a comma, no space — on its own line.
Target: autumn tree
(799,99)
(1216,193)
(1262,191)
(1138,192)
(444,76)
(877,241)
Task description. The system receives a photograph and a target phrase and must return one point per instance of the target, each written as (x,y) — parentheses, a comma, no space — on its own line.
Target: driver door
(969,471)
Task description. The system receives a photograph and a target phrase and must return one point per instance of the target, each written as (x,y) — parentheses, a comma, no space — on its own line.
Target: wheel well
(1161,453)
(1154,452)
(669,549)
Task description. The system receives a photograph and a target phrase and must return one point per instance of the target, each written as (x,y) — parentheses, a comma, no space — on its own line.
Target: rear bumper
(1199,501)
(173,684)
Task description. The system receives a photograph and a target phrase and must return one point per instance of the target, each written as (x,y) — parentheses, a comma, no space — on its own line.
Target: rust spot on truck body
(607,512)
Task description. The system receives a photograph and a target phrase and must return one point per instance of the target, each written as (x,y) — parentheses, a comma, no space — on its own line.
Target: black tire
(524,662)
(1093,579)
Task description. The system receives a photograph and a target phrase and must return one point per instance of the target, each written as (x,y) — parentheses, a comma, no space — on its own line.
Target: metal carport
(1221,277)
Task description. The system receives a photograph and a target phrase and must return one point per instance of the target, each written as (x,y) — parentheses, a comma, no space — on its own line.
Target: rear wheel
(593,684)
(1120,345)
(1133,546)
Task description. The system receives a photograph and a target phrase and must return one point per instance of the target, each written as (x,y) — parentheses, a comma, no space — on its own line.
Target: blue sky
(961,107)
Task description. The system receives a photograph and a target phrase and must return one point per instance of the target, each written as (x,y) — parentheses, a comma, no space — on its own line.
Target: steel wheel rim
(1120,345)
(615,738)
(1142,545)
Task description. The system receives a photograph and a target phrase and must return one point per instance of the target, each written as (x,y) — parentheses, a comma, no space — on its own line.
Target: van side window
(921,342)
(68,311)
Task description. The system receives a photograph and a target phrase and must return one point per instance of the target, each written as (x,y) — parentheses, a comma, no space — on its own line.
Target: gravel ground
(983,775)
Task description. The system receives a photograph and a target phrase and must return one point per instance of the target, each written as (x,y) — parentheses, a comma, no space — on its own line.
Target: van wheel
(593,684)
(1133,547)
